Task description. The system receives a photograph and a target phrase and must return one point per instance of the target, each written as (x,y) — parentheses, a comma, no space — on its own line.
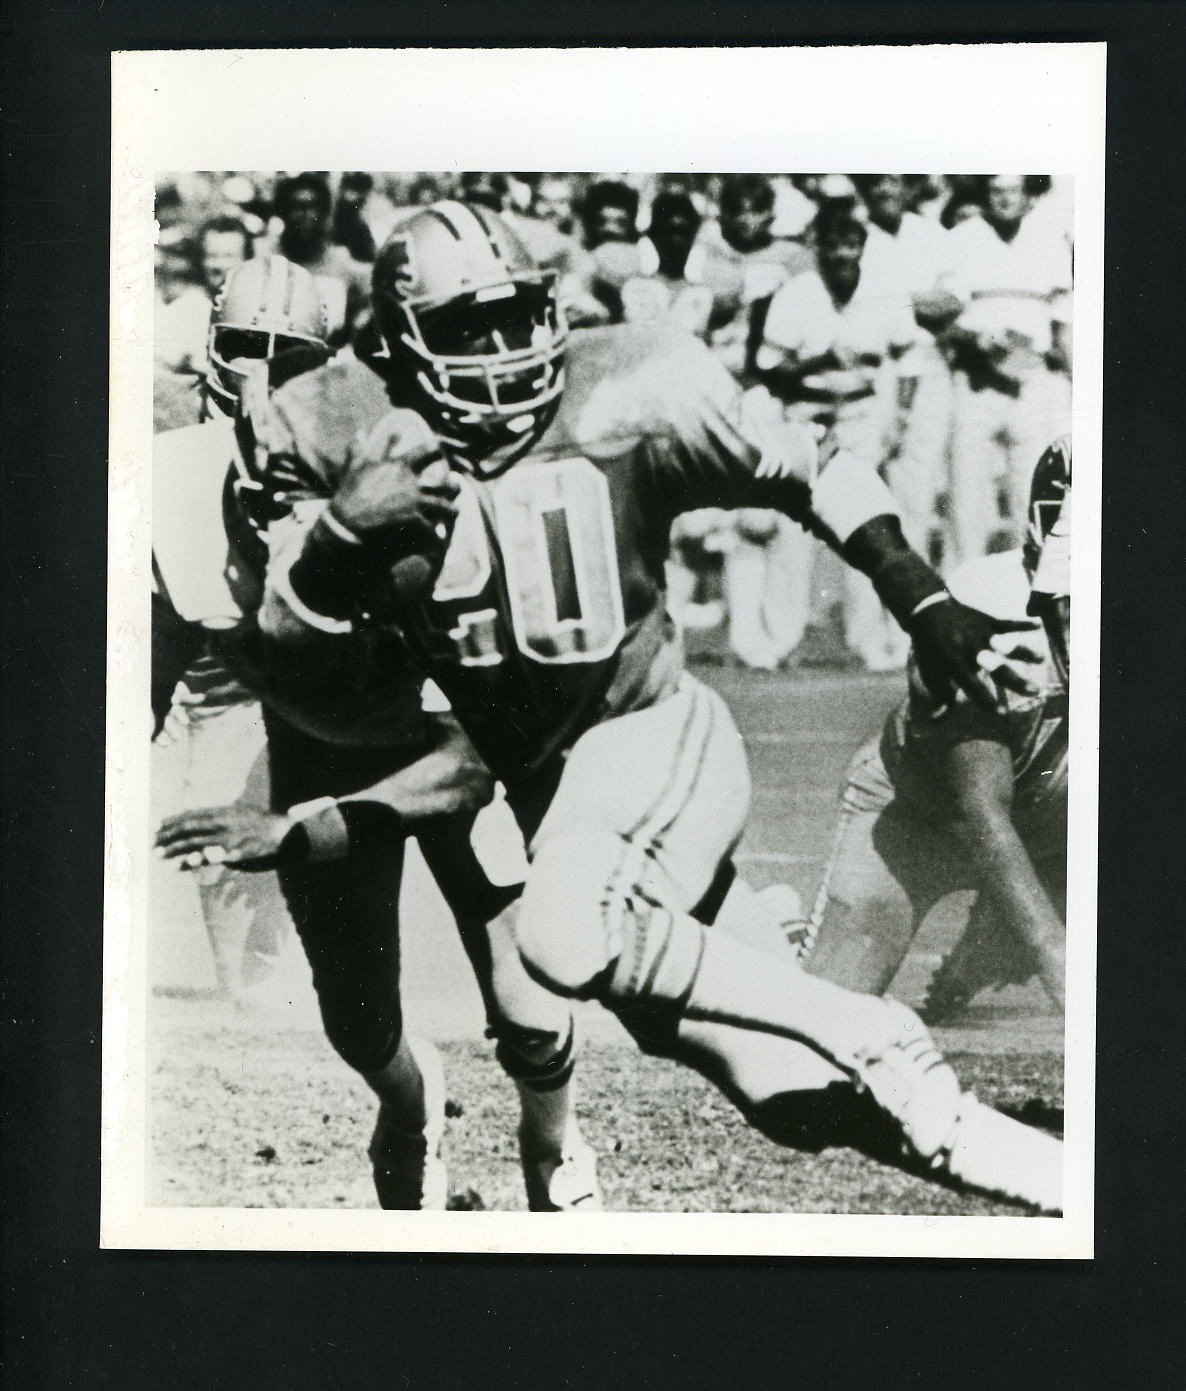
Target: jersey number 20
(555,530)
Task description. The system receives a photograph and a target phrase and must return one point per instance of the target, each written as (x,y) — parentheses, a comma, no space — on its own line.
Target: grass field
(251,1108)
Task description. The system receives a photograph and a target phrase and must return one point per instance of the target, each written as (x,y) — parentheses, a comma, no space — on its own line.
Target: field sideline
(252,1108)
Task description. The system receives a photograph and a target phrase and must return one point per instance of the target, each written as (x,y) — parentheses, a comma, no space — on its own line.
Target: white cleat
(566,1182)
(409,1173)
(949,1129)
(906,1075)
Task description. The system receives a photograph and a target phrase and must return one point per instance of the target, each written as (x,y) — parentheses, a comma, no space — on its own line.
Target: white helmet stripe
(463,222)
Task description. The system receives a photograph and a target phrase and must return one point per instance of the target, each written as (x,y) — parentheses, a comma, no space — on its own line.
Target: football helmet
(267,308)
(1046,551)
(473,334)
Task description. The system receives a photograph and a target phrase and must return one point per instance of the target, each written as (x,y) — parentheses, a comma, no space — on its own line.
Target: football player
(267,314)
(952,796)
(343,894)
(510,517)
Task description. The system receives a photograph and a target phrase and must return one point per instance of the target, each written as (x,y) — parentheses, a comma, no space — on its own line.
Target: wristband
(904,582)
(325,832)
(940,596)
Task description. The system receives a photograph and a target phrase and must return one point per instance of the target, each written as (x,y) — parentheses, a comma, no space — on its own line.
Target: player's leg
(596,921)
(533,1028)
(885,872)
(346,913)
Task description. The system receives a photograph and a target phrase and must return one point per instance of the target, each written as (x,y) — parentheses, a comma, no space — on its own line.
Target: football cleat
(565,1182)
(407,1166)
(907,1076)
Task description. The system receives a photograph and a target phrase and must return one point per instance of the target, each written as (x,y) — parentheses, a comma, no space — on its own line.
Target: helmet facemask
(487,366)
(1049,570)
(234,350)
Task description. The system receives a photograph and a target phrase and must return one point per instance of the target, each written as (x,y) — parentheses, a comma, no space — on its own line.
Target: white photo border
(929,108)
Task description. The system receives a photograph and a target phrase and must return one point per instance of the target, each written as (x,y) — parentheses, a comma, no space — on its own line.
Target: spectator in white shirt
(914,248)
(1009,282)
(831,346)
(304,204)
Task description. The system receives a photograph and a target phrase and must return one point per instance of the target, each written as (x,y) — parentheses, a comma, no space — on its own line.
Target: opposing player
(268,315)
(399,770)
(514,526)
(959,797)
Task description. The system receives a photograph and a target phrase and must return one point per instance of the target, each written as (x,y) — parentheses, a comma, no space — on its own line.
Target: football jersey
(364,692)
(547,614)
(1034,728)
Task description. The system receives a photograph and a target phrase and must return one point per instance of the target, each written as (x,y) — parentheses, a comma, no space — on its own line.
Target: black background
(73,1315)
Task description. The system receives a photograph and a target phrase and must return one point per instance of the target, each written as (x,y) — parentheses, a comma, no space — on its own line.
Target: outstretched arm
(449,779)
(978,778)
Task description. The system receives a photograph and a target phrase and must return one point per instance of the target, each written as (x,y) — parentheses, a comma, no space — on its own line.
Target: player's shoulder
(994,584)
(630,346)
(637,355)
(638,377)
(318,414)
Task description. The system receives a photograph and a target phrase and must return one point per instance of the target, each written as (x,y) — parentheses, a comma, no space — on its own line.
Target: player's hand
(397,484)
(958,647)
(239,835)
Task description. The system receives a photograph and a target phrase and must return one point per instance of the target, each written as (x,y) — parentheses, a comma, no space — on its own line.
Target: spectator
(912,248)
(553,202)
(552,246)
(830,352)
(609,215)
(488,190)
(350,229)
(743,263)
(666,285)
(424,191)
(965,197)
(183,324)
(304,205)
(609,257)
(1007,344)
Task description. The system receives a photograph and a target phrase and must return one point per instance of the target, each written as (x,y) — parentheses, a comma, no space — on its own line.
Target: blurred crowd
(921,321)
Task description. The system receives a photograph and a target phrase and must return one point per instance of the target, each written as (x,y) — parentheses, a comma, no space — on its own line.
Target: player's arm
(382,534)
(726,449)
(448,780)
(977,775)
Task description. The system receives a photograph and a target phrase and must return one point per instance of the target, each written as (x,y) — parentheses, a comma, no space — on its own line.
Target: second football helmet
(1046,550)
(473,333)
(267,308)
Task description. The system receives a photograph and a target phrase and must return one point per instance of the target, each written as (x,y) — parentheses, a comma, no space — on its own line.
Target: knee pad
(540,1060)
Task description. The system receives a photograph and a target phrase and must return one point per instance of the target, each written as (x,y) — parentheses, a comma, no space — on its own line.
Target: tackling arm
(449,779)
(978,777)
